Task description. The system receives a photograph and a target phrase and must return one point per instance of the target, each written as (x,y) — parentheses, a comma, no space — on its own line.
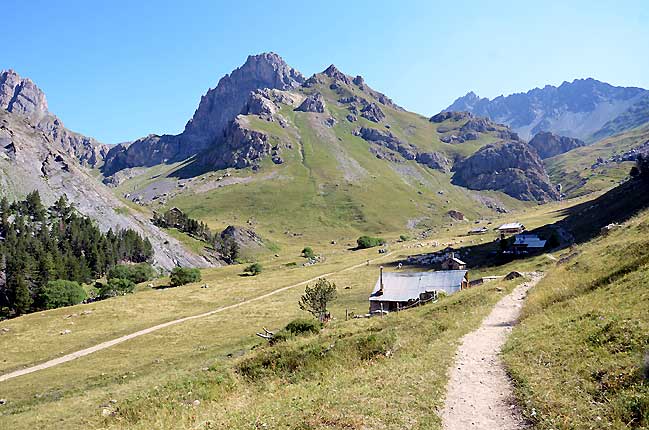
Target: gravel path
(113,342)
(479,393)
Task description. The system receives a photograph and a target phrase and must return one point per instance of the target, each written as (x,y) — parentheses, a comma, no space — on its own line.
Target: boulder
(244,237)
(456,215)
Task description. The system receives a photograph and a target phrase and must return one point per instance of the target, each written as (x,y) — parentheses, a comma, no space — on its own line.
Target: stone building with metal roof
(398,290)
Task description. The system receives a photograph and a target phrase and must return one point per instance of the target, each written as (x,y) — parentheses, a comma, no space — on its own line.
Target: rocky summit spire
(221,104)
(20,95)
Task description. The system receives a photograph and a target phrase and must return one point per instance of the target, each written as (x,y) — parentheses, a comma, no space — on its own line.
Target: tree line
(40,245)
(175,218)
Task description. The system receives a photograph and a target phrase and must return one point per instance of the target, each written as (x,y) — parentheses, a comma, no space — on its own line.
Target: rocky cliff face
(217,108)
(240,147)
(548,144)
(511,167)
(21,96)
(575,109)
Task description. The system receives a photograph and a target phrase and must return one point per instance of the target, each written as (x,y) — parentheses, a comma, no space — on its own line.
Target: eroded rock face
(511,167)
(241,147)
(434,160)
(373,112)
(220,105)
(313,103)
(548,144)
(217,109)
(21,95)
(408,151)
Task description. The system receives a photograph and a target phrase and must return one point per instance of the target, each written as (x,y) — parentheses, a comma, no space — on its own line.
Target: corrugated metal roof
(510,226)
(405,286)
(529,240)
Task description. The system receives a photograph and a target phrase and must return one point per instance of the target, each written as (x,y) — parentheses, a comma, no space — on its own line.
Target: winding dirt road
(480,394)
(113,342)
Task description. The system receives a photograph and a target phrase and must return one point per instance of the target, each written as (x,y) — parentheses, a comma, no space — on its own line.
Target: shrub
(307,252)
(316,298)
(365,242)
(184,275)
(375,345)
(116,287)
(254,269)
(404,238)
(303,326)
(136,273)
(62,293)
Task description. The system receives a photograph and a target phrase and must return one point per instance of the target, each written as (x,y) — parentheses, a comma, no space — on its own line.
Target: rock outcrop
(548,144)
(408,151)
(240,147)
(434,160)
(21,96)
(313,103)
(511,167)
(373,112)
(245,238)
(454,115)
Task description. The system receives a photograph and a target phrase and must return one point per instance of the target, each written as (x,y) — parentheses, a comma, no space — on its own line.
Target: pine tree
(22,297)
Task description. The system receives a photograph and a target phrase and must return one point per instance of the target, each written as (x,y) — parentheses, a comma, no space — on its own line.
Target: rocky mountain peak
(221,104)
(20,95)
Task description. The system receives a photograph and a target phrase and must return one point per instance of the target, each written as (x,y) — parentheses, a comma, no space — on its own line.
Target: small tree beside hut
(316,298)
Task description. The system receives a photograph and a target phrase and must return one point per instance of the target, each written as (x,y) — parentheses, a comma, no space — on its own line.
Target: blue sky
(118,70)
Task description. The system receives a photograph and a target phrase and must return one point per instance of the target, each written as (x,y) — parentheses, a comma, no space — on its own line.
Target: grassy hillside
(330,186)
(579,356)
(573,170)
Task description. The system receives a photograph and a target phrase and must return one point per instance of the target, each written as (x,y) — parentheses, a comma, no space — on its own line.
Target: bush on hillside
(303,326)
(254,269)
(56,294)
(365,242)
(404,238)
(184,275)
(307,252)
(116,287)
(313,358)
(136,273)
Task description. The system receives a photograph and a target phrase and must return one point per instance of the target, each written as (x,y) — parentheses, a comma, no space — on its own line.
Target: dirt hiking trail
(480,394)
(113,342)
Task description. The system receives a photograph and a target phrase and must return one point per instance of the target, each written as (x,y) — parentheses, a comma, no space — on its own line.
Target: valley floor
(384,373)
